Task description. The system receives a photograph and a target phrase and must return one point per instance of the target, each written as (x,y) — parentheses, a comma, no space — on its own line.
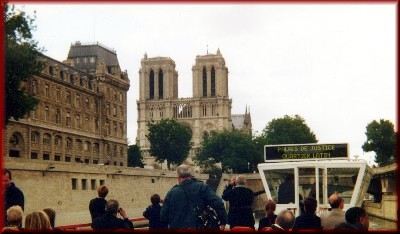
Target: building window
(121,126)
(68,97)
(204,82)
(115,111)
(108,127)
(115,95)
(102,182)
(92,59)
(46,90)
(115,163)
(115,129)
(68,119)
(121,151)
(160,84)
(86,122)
(35,137)
(79,144)
(151,84)
(57,141)
(46,139)
(69,143)
(87,104)
(46,113)
(120,97)
(77,60)
(121,112)
(84,60)
(86,161)
(78,121)
(78,100)
(57,94)
(95,161)
(74,183)
(96,125)
(96,147)
(115,151)
(86,146)
(34,155)
(34,114)
(58,116)
(67,158)
(78,160)
(121,164)
(96,106)
(212,82)
(57,157)
(46,156)
(93,184)
(34,87)
(51,70)
(108,109)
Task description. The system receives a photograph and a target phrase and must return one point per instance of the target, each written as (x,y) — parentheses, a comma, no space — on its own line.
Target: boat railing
(87,226)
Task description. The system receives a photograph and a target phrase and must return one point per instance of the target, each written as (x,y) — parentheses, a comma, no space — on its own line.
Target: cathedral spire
(218,52)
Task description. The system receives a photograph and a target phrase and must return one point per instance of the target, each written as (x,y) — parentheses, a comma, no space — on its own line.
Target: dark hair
(310,205)
(270,205)
(354,214)
(6,171)
(52,215)
(336,203)
(155,199)
(102,191)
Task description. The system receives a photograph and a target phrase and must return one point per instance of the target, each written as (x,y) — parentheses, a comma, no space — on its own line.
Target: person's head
(7,178)
(37,220)
(336,201)
(112,207)
(184,171)
(285,219)
(240,180)
(357,215)
(14,216)
(51,214)
(310,205)
(155,199)
(270,207)
(102,191)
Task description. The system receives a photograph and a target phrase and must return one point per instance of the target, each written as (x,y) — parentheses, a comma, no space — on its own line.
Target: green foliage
(234,149)
(381,139)
(21,62)
(169,140)
(135,158)
(287,130)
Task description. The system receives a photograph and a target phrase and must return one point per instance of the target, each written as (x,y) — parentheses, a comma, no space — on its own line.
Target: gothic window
(34,87)
(35,137)
(46,90)
(151,84)
(212,82)
(58,116)
(160,84)
(204,82)
(68,97)
(57,94)
(46,113)
(68,119)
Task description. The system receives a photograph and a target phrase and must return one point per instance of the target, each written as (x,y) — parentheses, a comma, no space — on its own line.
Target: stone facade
(208,110)
(81,116)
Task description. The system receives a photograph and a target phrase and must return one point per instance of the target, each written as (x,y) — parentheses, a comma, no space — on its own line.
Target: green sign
(297,152)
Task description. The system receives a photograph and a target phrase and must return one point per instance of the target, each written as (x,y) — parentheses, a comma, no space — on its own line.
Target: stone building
(208,110)
(81,116)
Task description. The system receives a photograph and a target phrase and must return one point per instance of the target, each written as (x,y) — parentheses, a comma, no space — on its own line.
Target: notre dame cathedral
(208,110)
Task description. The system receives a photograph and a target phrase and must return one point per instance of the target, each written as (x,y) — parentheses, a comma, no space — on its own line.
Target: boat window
(281,185)
(307,183)
(342,181)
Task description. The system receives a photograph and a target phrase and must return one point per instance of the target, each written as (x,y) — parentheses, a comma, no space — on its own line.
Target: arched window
(57,141)
(78,121)
(160,84)
(212,82)
(46,139)
(204,82)
(34,87)
(68,119)
(35,137)
(68,97)
(46,90)
(121,151)
(151,84)
(58,116)
(68,143)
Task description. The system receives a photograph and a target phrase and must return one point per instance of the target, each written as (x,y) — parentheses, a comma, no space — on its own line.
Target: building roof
(94,49)
(238,121)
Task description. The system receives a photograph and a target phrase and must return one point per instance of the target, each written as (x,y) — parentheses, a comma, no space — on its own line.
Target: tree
(170,141)
(135,158)
(234,149)
(287,130)
(381,138)
(21,62)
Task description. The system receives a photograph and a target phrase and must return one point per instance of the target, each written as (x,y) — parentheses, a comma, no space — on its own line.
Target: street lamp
(248,166)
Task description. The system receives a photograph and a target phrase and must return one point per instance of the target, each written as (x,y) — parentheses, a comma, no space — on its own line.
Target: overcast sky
(332,64)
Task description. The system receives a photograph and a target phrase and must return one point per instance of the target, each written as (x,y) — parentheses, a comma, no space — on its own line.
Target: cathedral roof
(238,121)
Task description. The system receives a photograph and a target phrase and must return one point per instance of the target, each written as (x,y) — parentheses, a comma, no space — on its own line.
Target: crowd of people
(180,210)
